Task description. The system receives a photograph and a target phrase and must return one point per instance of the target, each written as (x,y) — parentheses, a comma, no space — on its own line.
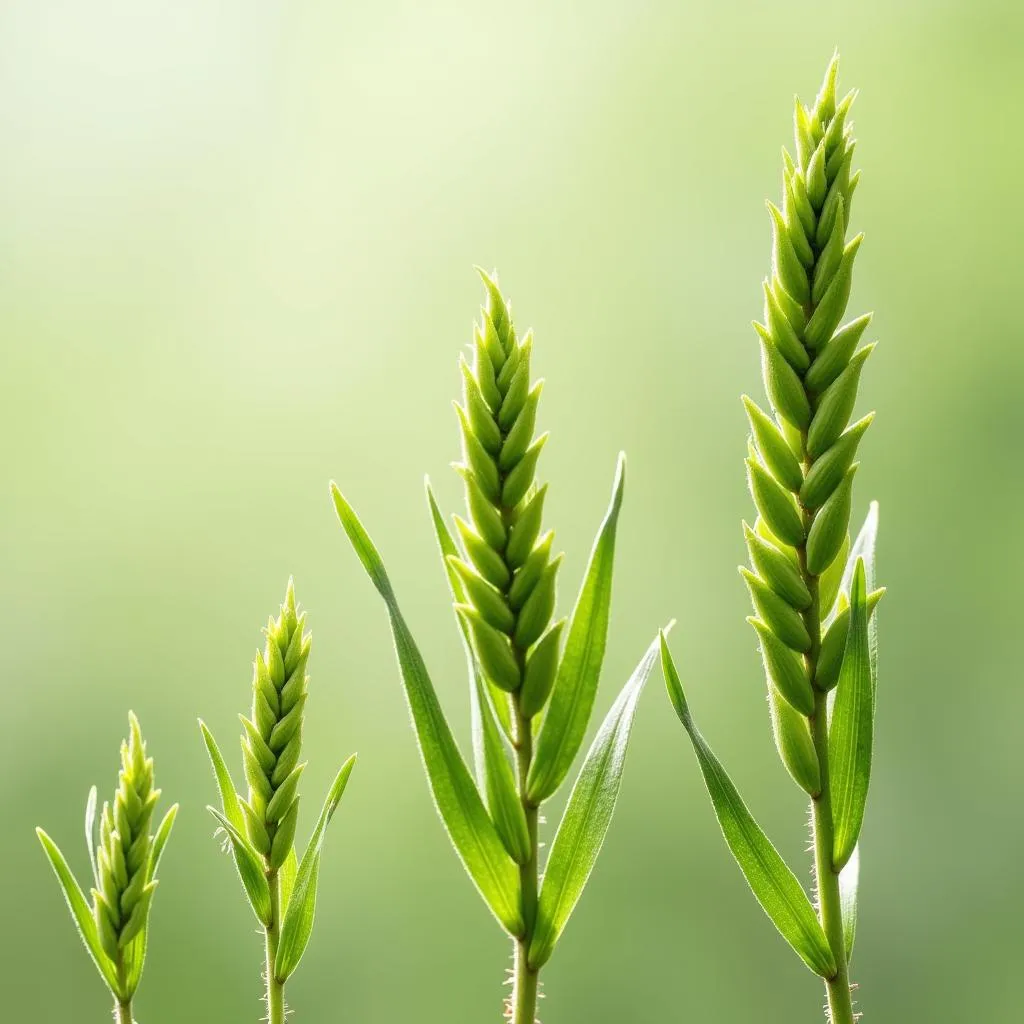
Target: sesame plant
(260,828)
(533,676)
(123,855)
(812,592)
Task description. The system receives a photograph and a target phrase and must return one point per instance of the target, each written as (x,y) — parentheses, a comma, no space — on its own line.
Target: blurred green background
(236,242)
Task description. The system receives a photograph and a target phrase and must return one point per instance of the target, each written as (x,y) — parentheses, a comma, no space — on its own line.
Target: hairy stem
(275,988)
(840,1001)
(123,1012)
(524,992)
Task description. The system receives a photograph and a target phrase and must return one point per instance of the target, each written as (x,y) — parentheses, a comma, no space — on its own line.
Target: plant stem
(524,992)
(275,989)
(123,1012)
(840,1000)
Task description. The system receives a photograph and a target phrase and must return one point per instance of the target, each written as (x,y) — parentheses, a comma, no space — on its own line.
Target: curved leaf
(457,799)
(572,697)
(92,833)
(228,795)
(774,885)
(587,816)
(851,731)
(286,876)
(81,913)
(250,868)
(301,906)
(849,880)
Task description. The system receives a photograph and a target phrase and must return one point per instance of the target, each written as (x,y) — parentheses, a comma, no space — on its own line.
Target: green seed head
(272,735)
(124,889)
(800,470)
(507,570)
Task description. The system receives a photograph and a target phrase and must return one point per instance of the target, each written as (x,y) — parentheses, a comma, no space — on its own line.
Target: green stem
(840,1000)
(525,982)
(275,988)
(123,1012)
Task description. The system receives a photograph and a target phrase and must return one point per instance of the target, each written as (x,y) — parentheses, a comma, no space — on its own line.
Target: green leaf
(849,879)
(572,697)
(458,801)
(250,868)
(864,548)
(774,885)
(587,816)
(81,913)
(163,833)
(301,907)
(228,795)
(286,876)
(851,731)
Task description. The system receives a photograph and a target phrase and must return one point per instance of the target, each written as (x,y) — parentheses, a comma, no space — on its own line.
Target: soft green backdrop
(235,251)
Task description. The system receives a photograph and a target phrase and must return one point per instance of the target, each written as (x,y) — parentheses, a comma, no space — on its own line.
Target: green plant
(260,829)
(531,695)
(124,858)
(811,591)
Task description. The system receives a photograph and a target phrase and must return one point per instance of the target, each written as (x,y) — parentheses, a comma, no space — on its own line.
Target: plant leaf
(587,816)
(849,879)
(250,868)
(572,697)
(228,796)
(286,876)
(301,907)
(851,731)
(864,548)
(163,833)
(457,799)
(81,913)
(774,885)
(91,833)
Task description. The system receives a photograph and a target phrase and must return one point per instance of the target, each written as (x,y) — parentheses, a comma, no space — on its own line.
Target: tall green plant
(260,827)
(812,593)
(124,856)
(533,678)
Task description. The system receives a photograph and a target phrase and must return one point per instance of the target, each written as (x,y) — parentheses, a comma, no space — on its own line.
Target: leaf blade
(301,907)
(228,795)
(79,910)
(849,881)
(572,697)
(851,731)
(250,868)
(455,795)
(770,879)
(587,816)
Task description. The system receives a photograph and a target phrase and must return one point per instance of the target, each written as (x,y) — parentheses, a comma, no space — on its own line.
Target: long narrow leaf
(851,732)
(849,880)
(587,816)
(572,698)
(228,795)
(250,868)
(80,912)
(163,833)
(458,801)
(92,833)
(301,906)
(286,876)
(770,879)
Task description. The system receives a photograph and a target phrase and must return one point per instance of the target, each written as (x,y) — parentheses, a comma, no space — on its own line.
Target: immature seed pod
(787,263)
(784,387)
(825,537)
(824,476)
(538,608)
(492,649)
(825,318)
(833,643)
(832,254)
(518,482)
(489,563)
(836,406)
(794,311)
(514,446)
(782,331)
(794,744)
(774,504)
(781,618)
(831,580)
(817,185)
(773,448)
(524,534)
(832,359)
(784,668)
(527,576)
(777,570)
(541,666)
(485,597)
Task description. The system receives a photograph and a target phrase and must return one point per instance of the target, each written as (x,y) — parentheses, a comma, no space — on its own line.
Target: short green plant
(124,856)
(260,828)
(533,678)
(813,593)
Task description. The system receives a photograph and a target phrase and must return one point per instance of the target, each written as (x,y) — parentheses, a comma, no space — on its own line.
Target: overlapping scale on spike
(803,449)
(507,568)
(124,886)
(272,735)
